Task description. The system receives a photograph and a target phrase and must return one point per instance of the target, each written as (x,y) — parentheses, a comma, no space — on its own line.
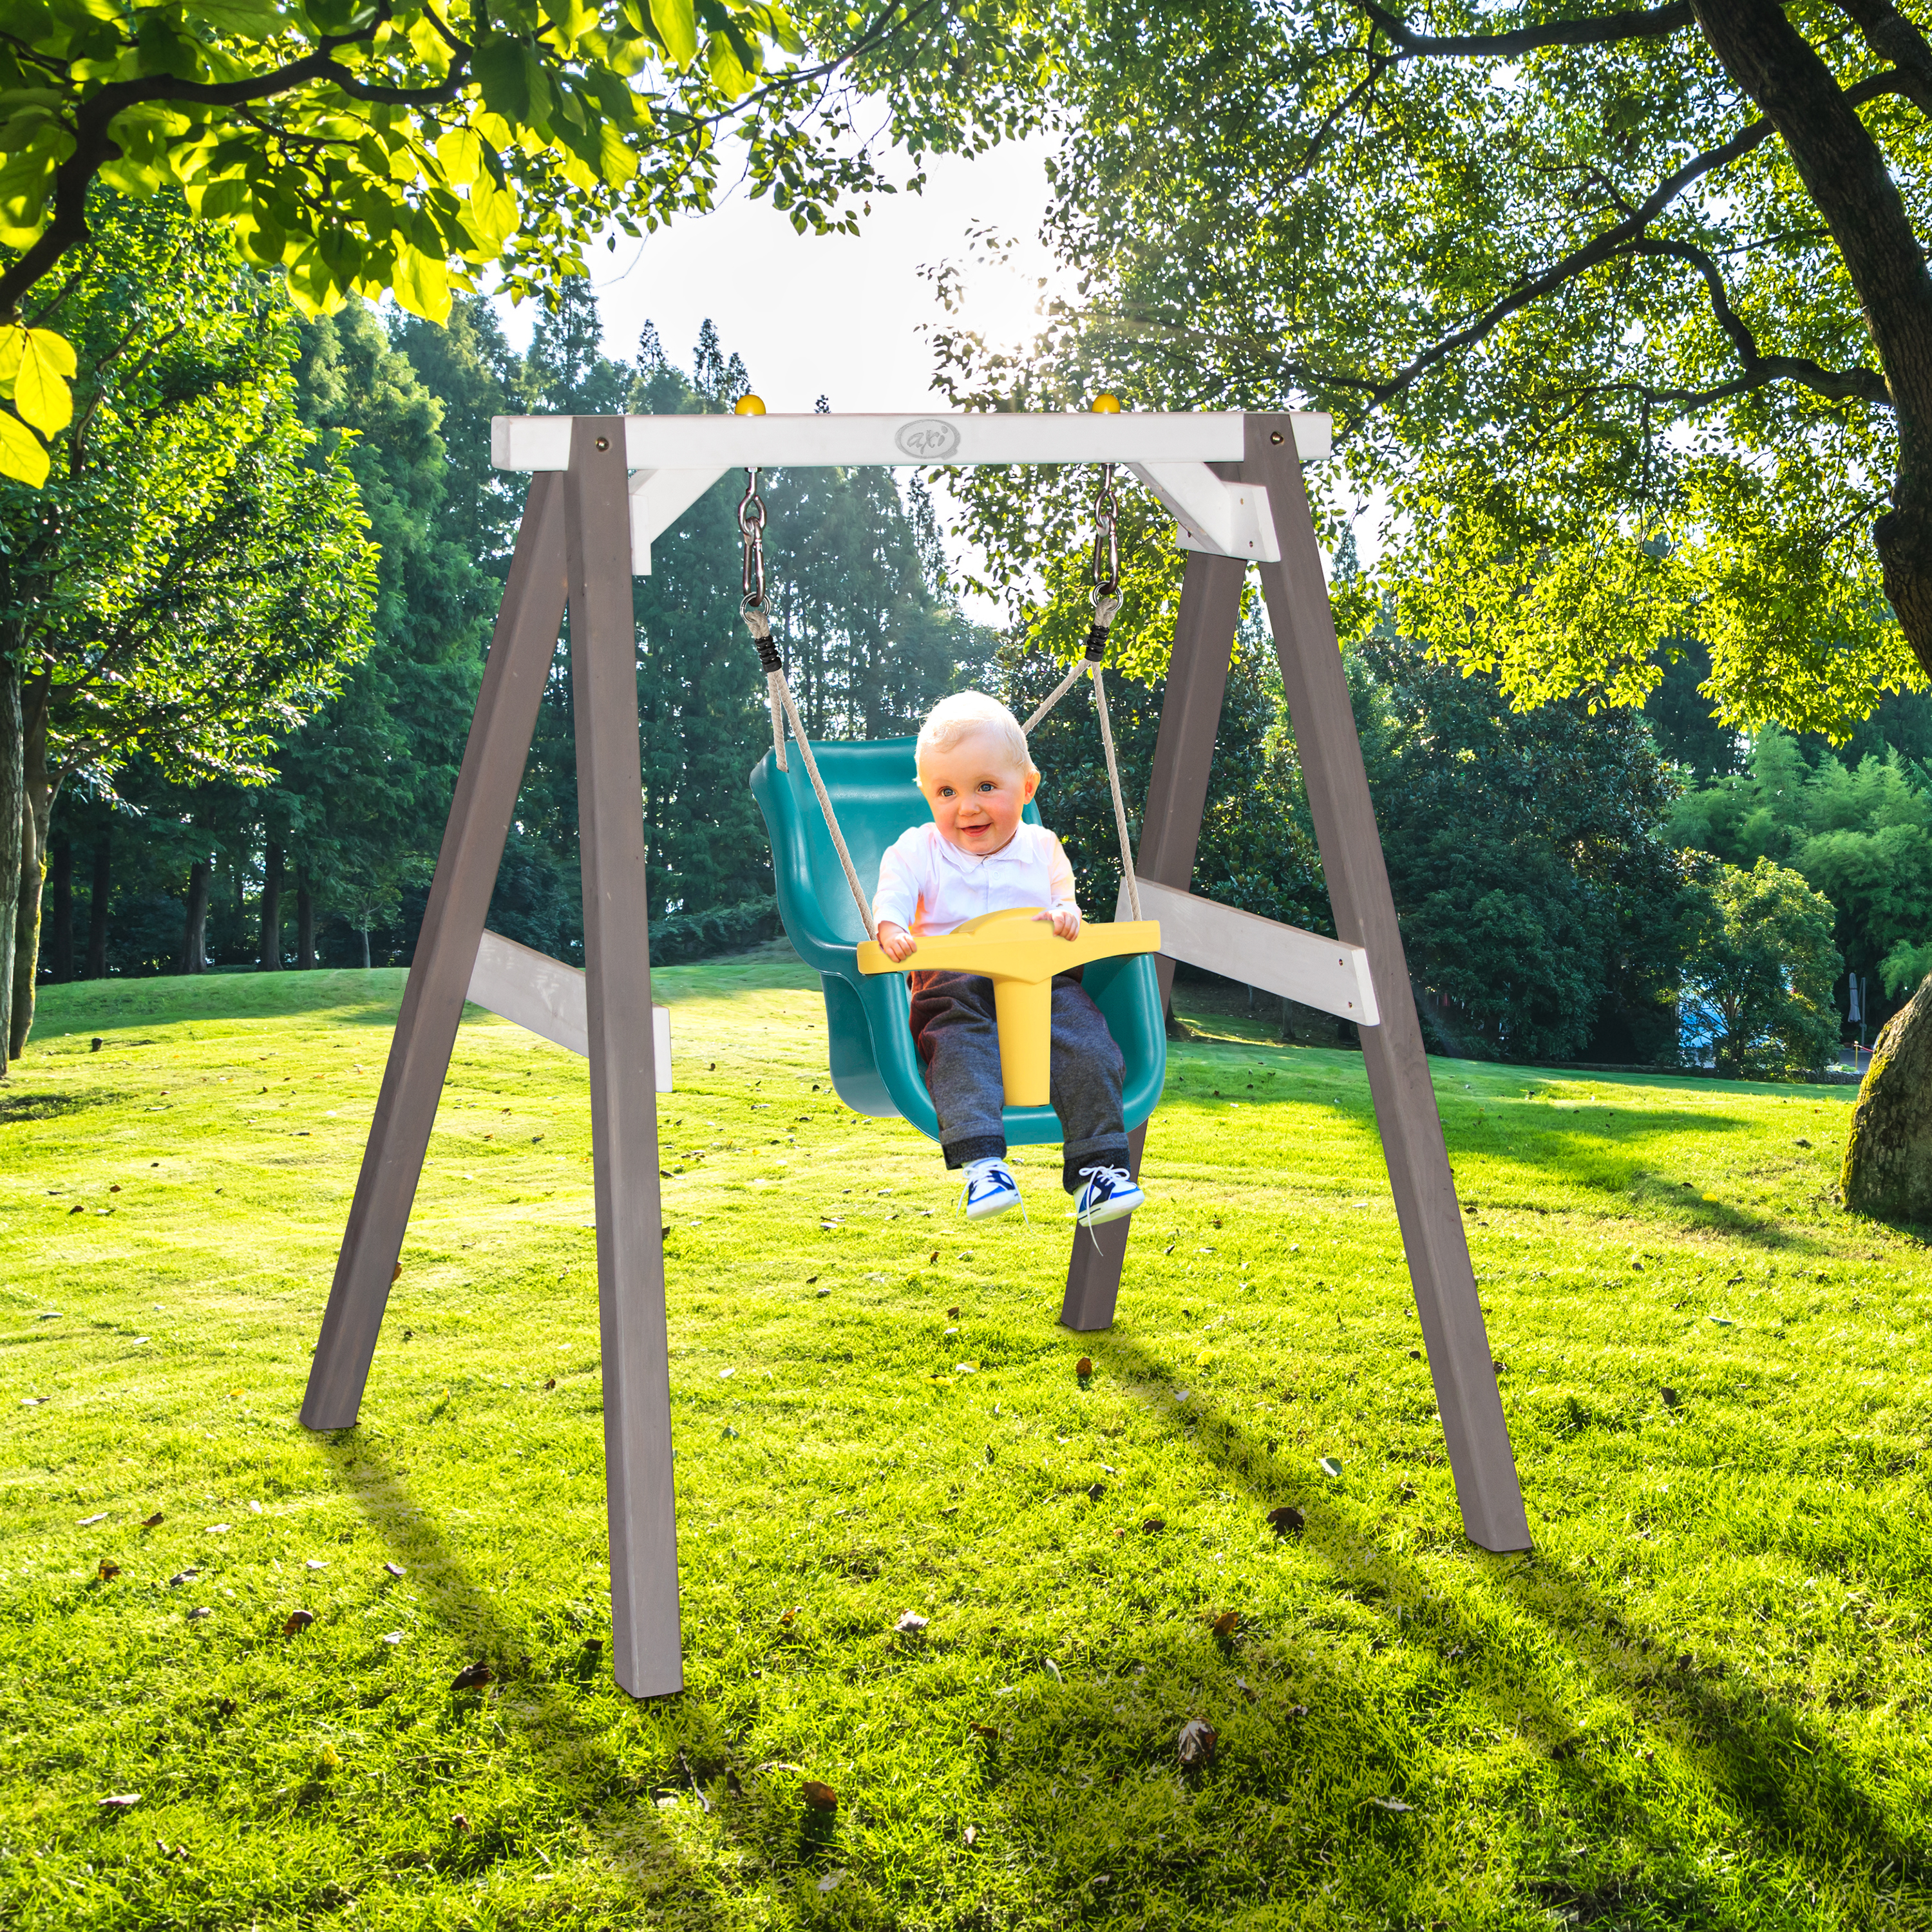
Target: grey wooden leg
(1358,891)
(459,901)
(1183,755)
(647,1655)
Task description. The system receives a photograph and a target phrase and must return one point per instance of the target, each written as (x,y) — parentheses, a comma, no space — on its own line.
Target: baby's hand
(896,943)
(1065,921)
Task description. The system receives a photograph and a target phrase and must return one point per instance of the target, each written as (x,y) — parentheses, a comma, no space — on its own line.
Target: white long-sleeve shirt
(929,887)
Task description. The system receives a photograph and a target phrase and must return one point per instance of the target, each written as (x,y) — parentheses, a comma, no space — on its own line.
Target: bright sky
(834,315)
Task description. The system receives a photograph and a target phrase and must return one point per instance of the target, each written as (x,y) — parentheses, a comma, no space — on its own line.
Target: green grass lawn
(1702,1702)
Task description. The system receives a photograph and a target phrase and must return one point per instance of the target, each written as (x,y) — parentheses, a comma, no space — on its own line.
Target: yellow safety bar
(1020,952)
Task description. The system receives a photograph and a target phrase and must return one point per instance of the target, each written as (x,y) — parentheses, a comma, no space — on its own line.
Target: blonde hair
(967,713)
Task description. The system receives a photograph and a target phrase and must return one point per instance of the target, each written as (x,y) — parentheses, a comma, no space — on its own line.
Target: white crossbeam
(1325,973)
(531,990)
(714,442)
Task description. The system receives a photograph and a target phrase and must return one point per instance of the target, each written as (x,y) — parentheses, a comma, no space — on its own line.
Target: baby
(978,856)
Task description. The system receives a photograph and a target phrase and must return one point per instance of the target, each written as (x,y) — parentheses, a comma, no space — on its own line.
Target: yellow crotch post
(1020,952)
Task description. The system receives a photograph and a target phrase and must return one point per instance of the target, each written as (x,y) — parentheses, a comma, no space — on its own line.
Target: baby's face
(976,793)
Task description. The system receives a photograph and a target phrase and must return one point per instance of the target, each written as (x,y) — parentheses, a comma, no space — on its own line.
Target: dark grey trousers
(953,1022)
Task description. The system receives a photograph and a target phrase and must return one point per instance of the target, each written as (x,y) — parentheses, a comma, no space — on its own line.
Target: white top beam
(698,442)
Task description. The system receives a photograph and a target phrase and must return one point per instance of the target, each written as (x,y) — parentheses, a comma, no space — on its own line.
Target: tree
(1886,1169)
(1758,987)
(1861,834)
(368,147)
(195,574)
(359,783)
(1636,360)
(1625,314)
(1543,910)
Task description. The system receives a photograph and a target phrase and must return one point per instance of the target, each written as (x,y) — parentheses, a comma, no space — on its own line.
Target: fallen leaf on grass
(910,1624)
(297,1620)
(472,1676)
(119,1801)
(315,1563)
(832,1881)
(971,1835)
(1668,1397)
(990,1732)
(108,1569)
(1084,1367)
(34,1401)
(952,1314)
(152,1522)
(1286,1521)
(1246,1689)
(196,1615)
(1154,1525)
(1196,1744)
(458,1822)
(393,1569)
(787,1617)
(819,1797)
(392,1637)
(551,1384)
(1391,1805)
(181,1576)
(1330,1467)
(1224,1625)
(1095,1491)
(87,1521)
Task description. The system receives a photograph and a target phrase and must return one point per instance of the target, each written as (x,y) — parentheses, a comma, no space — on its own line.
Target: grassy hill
(1701,1701)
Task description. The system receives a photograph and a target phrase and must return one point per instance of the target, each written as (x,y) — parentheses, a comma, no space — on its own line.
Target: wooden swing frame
(604,487)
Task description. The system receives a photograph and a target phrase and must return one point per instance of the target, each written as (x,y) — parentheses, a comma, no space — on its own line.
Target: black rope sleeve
(1096,643)
(768,655)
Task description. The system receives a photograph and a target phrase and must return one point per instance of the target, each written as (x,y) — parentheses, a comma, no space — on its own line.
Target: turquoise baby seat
(875,1064)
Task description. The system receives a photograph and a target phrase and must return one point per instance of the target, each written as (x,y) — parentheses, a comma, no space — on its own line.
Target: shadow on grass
(570,1734)
(347,994)
(1791,1787)
(17,1108)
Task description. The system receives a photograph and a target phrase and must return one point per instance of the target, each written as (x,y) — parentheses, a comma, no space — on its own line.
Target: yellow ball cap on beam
(749,405)
(1106,404)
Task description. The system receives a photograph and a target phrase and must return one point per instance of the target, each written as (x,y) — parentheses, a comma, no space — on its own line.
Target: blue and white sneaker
(1110,1193)
(990,1189)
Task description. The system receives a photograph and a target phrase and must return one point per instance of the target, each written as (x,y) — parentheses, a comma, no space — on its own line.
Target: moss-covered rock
(1889,1158)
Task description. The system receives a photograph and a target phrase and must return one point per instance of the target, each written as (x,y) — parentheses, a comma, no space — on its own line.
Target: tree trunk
(304,924)
(1888,1168)
(365,949)
(12,817)
(62,869)
(194,939)
(39,789)
(97,903)
(1846,173)
(272,907)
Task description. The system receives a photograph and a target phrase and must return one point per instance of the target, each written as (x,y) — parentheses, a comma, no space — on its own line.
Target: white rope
(783,692)
(771,683)
(1120,803)
(1060,690)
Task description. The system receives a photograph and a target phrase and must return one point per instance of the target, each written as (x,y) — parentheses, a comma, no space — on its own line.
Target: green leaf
(461,154)
(36,366)
(22,455)
(421,284)
(502,71)
(258,18)
(675,24)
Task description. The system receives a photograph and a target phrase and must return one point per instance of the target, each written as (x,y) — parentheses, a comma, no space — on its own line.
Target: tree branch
(1652,23)
(1892,37)
(1622,238)
(1858,384)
